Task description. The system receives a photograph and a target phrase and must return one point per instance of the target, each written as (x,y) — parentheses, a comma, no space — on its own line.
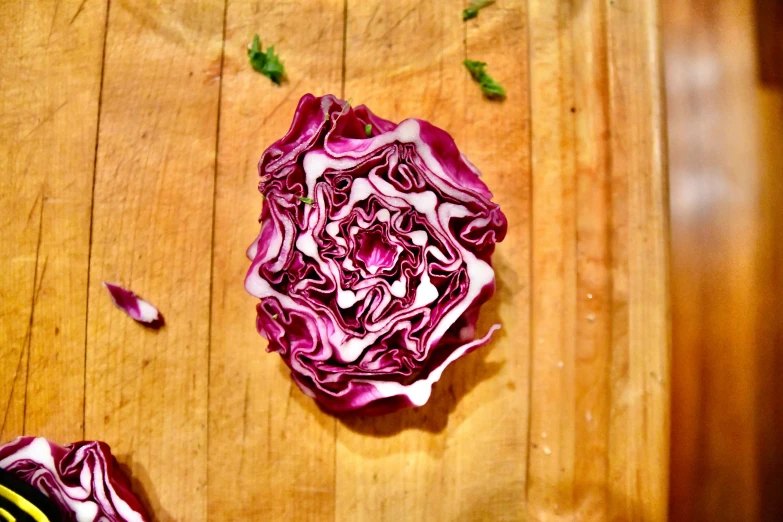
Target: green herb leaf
(303,199)
(489,86)
(492,89)
(273,68)
(255,47)
(267,63)
(274,317)
(472,10)
(476,68)
(368,130)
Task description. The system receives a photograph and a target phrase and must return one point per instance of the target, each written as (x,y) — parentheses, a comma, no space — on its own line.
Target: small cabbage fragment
(83,479)
(138,309)
(373,255)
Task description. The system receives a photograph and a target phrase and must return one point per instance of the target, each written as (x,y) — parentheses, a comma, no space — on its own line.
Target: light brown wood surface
(726,149)
(146,176)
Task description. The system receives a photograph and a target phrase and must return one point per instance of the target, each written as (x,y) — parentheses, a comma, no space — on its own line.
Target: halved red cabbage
(83,479)
(374,255)
(138,309)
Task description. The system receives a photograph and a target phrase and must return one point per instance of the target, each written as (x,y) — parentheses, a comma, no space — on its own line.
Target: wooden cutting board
(130,134)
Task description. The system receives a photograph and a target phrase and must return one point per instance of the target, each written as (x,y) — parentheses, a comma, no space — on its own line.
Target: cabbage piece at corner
(83,479)
(373,258)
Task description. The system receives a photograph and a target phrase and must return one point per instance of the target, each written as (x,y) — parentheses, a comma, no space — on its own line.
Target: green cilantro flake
(492,89)
(472,10)
(368,130)
(267,63)
(303,199)
(274,317)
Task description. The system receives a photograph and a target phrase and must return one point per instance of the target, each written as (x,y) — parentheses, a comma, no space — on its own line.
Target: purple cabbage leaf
(373,255)
(82,479)
(138,309)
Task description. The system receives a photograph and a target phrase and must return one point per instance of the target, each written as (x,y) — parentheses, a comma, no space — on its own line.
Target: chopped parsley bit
(492,89)
(474,7)
(368,130)
(274,317)
(267,63)
(303,199)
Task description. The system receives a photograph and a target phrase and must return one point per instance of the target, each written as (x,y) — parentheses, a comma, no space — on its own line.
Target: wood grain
(725,131)
(769,359)
(50,73)
(600,352)
(641,330)
(563,416)
(769,41)
(265,438)
(152,222)
(714,235)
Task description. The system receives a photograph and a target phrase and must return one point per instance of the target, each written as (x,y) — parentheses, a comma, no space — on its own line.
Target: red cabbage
(138,309)
(83,479)
(374,255)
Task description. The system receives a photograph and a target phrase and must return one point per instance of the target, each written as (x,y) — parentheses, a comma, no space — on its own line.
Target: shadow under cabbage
(457,381)
(142,487)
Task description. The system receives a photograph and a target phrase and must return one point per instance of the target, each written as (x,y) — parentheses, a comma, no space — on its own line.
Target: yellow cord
(23,504)
(6,515)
